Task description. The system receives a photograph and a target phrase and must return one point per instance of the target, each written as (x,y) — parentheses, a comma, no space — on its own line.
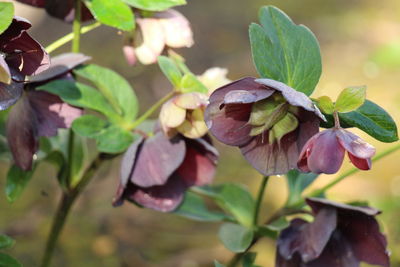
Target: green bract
(350,99)
(284,51)
(325,104)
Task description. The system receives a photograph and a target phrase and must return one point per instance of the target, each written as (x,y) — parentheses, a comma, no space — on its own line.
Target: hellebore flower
(167,28)
(38,113)
(20,53)
(184,114)
(156,171)
(324,152)
(61,9)
(269,121)
(340,236)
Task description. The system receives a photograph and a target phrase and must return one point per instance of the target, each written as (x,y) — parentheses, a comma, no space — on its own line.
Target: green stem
(323,189)
(76,26)
(260,197)
(69,37)
(151,110)
(67,200)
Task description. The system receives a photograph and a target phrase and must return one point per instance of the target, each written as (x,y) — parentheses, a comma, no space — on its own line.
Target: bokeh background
(360,45)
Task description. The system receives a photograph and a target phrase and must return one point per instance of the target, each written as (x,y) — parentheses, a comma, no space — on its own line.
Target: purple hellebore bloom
(324,152)
(340,236)
(62,9)
(269,121)
(38,113)
(156,171)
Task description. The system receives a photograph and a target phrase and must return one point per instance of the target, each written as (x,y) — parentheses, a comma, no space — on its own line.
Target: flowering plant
(168,162)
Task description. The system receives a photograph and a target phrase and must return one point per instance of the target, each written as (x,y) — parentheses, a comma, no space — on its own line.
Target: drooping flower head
(38,113)
(324,152)
(20,55)
(61,9)
(269,121)
(184,114)
(156,171)
(340,236)
(167,28)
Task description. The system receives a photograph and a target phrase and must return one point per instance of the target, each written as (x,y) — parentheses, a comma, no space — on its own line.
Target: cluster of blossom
(275,127)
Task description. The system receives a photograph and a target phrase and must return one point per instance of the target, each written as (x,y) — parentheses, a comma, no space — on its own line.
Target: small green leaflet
(6,15)
(235,237)
(155,5)
(284,51)
(350,99)
(17,179)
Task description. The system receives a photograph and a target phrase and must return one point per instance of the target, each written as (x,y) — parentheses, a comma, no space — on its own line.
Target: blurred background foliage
(360,44)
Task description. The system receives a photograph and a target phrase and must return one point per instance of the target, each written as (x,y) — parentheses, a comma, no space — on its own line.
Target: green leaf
(193,207)
(113,13)
(6,242)
(234,199)
(114,87)
(170,70)
(235,237)
(80,95)
(217,264)
(89,125)
(155,5)
(190,83)
(297,183)
(325,104)
(4,150)
(350,99)
(249,259)
(6,15)
(17,179)
(114,139)
(284,51)
(8,261)
(79,160)
(369,118)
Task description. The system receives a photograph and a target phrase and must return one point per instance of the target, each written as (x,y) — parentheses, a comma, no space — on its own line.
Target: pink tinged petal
(164,198)
(153,40)
(159,157)
(355,145)
(294,97)
(5,75)
(307,132)
(272,159)
(190,100)
(176,28)
(60,65)
(327,154)
(199,165)
(362,164)
(10,93)
(51,112)
(129,53)
(22,133)
(171,115)
(247,96)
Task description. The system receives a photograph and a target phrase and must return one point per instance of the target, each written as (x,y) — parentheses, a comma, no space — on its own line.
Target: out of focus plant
(170,166)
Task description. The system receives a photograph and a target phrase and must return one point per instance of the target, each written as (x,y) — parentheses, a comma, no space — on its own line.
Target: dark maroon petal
(198,167)
(272,159)
(59,66)
(228,123)
(51,112)
(128,161)
(17,27)
(35,3)
(327,153)
(26,54)
(319,203)
(163,198)
(118,199)
(355,145)
(247,96)
(10,93)
(308,239)
(362,164)
(22,133)
(64,9)
(337,253)
(294,97)
(159,157)
(293,262)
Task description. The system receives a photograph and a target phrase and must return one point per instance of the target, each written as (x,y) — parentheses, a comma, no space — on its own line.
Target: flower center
(274,115)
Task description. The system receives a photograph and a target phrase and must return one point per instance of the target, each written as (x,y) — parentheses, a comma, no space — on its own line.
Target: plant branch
(69,37)
(260,196)
(151,110)
(76,26)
